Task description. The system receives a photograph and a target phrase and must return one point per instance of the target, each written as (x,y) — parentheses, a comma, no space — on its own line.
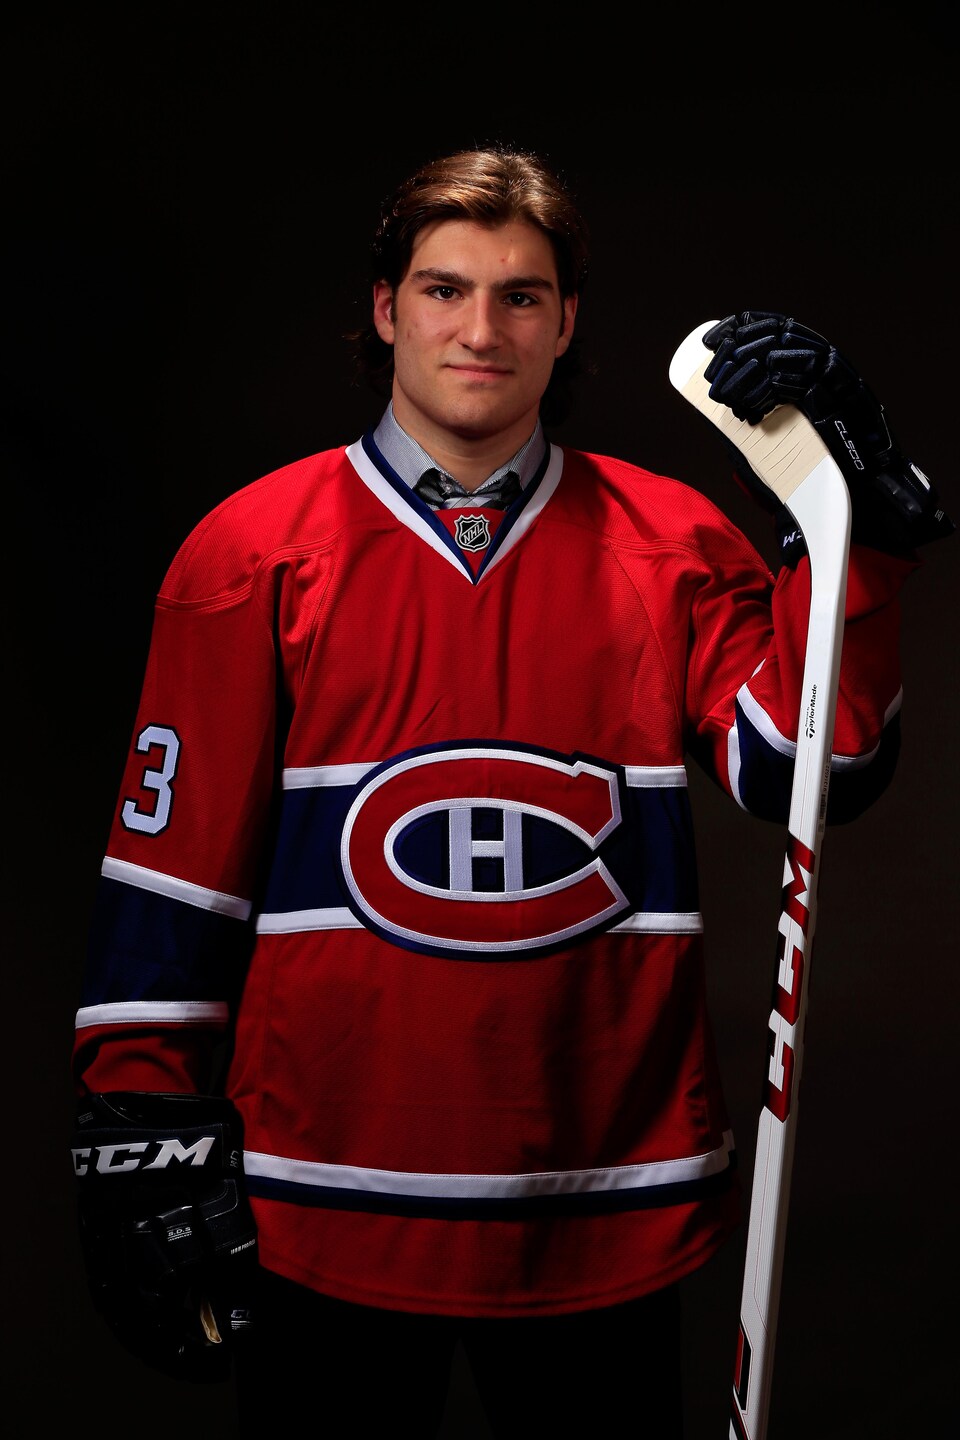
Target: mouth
(481,372)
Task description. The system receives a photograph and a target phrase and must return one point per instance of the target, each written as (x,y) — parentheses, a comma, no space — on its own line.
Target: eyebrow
(463,282)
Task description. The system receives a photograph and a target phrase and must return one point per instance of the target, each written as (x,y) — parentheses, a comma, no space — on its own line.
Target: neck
(471,459)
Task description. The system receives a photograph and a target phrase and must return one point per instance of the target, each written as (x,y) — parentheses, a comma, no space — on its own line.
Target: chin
(481,420)
(477,429)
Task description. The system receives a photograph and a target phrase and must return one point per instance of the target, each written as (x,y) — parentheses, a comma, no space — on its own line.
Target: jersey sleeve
(744,725)
(171,930)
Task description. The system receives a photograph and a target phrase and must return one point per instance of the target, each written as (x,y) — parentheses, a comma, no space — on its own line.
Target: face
(476,325)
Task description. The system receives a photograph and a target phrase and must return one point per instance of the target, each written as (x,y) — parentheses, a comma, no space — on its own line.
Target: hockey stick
(786,453)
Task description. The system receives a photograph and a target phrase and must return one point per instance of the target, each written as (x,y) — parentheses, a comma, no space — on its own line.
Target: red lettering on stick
(786,995)
(797,887)
(780,1082)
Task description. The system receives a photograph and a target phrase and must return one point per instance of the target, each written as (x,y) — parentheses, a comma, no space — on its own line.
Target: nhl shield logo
(472,532)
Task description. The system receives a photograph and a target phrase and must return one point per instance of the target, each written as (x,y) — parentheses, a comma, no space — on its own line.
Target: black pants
(354,1370)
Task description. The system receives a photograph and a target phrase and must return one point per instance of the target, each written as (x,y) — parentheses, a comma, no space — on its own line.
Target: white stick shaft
(813,507)
(786,453)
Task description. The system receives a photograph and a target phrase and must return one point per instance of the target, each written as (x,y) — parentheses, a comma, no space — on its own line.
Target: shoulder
(630,503)
(293,508)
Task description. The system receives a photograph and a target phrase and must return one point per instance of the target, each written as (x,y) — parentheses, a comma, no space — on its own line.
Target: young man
(388,1037)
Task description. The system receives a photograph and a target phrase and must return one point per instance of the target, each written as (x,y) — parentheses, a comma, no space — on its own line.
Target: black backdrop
(189,199)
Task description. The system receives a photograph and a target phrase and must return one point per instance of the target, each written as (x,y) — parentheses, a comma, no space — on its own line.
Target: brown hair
(490,186)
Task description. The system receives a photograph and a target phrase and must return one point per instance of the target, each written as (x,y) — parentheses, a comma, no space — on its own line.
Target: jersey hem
(459,1307)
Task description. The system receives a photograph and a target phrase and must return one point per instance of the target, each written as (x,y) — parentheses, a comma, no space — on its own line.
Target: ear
(566,329)
(383,311)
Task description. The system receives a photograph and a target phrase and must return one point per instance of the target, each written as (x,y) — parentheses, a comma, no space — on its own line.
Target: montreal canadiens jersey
(404,832)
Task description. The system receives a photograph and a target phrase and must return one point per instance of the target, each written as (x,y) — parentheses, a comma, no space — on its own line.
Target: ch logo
(484,850)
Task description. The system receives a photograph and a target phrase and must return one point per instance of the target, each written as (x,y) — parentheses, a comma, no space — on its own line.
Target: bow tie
(444,493)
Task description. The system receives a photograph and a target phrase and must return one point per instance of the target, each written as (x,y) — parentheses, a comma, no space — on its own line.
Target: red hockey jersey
(465,1007)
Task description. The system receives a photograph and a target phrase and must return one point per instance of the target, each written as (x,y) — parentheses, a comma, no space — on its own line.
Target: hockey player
(387,1038)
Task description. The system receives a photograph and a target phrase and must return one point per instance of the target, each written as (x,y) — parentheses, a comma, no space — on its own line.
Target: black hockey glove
(167,1234)
(763,359)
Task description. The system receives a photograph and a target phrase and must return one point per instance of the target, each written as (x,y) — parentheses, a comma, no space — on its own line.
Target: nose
(479,329)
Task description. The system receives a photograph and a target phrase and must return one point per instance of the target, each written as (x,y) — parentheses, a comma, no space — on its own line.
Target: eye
(442,292)
(519,299)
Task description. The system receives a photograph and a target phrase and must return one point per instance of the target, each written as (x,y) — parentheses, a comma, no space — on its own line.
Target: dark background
(189,198)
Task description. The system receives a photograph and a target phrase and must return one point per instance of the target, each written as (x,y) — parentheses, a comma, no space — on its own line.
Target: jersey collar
(395,493)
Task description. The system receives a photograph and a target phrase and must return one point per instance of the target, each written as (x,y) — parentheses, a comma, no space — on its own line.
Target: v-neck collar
(410,510)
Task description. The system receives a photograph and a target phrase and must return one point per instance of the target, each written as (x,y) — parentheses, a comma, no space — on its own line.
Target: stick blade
(691,356)
(782,449)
